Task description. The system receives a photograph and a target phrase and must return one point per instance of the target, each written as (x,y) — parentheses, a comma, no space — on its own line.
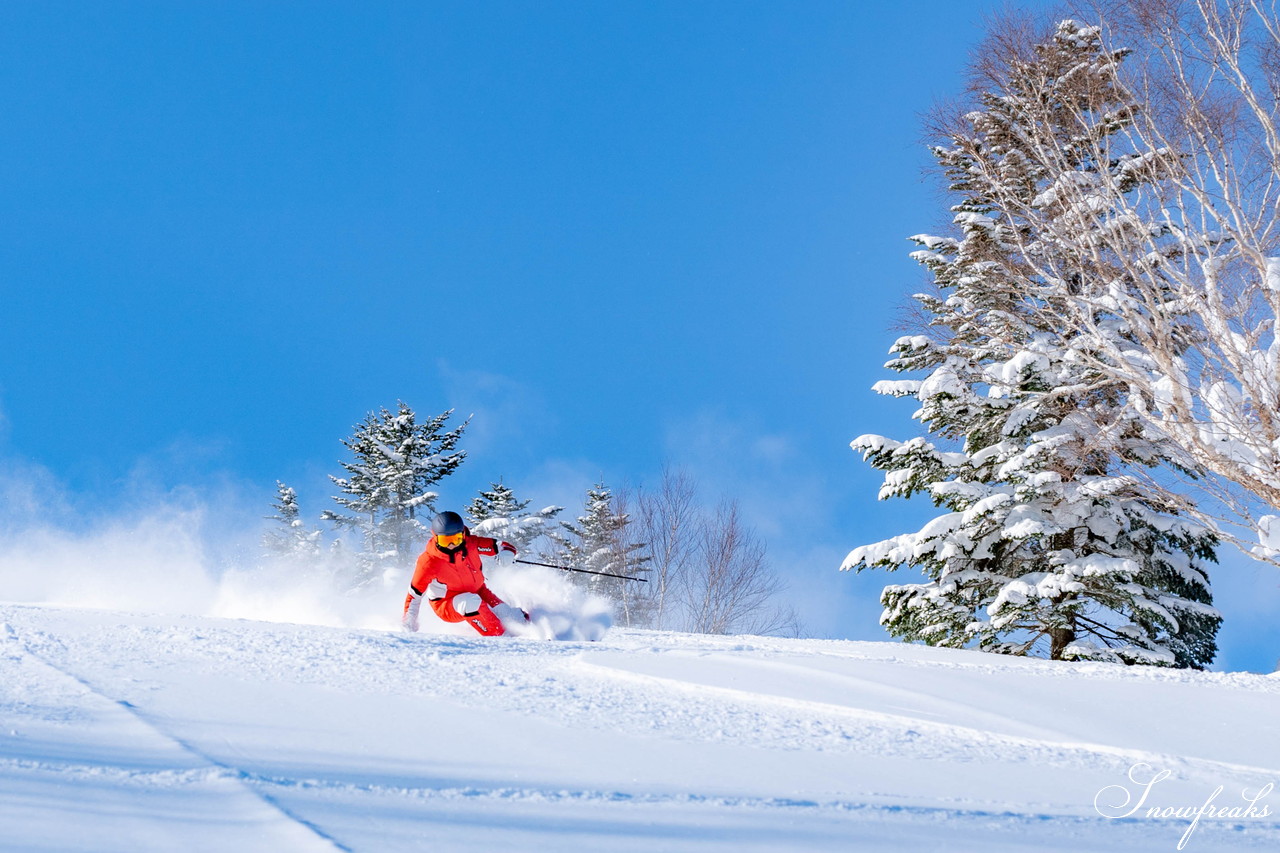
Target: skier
(450,575)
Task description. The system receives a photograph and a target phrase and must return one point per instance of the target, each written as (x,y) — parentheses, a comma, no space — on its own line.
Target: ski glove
(436,591)
(411,604)
(506,556)
(510,614)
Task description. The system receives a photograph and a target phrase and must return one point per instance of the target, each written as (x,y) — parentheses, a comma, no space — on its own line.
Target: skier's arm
(504,553)
(488,597)
(424,582)
(434,591)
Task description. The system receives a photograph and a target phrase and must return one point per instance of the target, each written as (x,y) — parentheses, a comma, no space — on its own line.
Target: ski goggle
(452,541)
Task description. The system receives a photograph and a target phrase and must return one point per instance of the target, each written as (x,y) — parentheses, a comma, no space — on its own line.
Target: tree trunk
(1059,639)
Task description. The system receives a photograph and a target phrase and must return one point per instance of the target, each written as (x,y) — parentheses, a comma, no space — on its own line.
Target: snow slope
(133,732)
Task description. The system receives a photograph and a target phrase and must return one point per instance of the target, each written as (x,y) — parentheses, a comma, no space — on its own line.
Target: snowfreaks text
(1120,801)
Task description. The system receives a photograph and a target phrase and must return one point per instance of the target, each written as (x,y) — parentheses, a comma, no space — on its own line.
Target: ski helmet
(447,524)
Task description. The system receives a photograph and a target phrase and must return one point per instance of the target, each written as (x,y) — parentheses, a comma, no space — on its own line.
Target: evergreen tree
(291,539)
(599,543)
(395,460)
(498,514)
(1049,543)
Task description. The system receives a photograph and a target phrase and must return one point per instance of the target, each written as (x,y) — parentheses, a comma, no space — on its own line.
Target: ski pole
(584,571)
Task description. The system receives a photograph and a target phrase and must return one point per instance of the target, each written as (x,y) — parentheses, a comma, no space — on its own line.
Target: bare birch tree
(1153,230)
(708,570)
(666,519)
(731,588)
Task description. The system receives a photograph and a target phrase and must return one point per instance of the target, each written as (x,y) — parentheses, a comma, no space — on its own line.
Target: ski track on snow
(213,771)
(966,744)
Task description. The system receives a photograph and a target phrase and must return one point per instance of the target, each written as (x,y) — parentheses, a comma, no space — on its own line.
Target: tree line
(703,570)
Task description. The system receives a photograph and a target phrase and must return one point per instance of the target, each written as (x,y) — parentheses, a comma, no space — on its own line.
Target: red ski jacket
(459,570)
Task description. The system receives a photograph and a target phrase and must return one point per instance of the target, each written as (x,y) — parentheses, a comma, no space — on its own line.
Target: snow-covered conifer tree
(1049,544)
(599,543)
(291,538)
(497,513)
(395,460)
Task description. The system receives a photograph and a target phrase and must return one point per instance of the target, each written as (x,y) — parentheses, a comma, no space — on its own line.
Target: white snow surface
(125,731)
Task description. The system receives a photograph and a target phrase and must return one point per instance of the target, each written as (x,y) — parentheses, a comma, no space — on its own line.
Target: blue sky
(619,234)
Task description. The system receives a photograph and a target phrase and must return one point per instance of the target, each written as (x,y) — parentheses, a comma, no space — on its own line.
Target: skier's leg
(471,609)
(445,610)
(487,622)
